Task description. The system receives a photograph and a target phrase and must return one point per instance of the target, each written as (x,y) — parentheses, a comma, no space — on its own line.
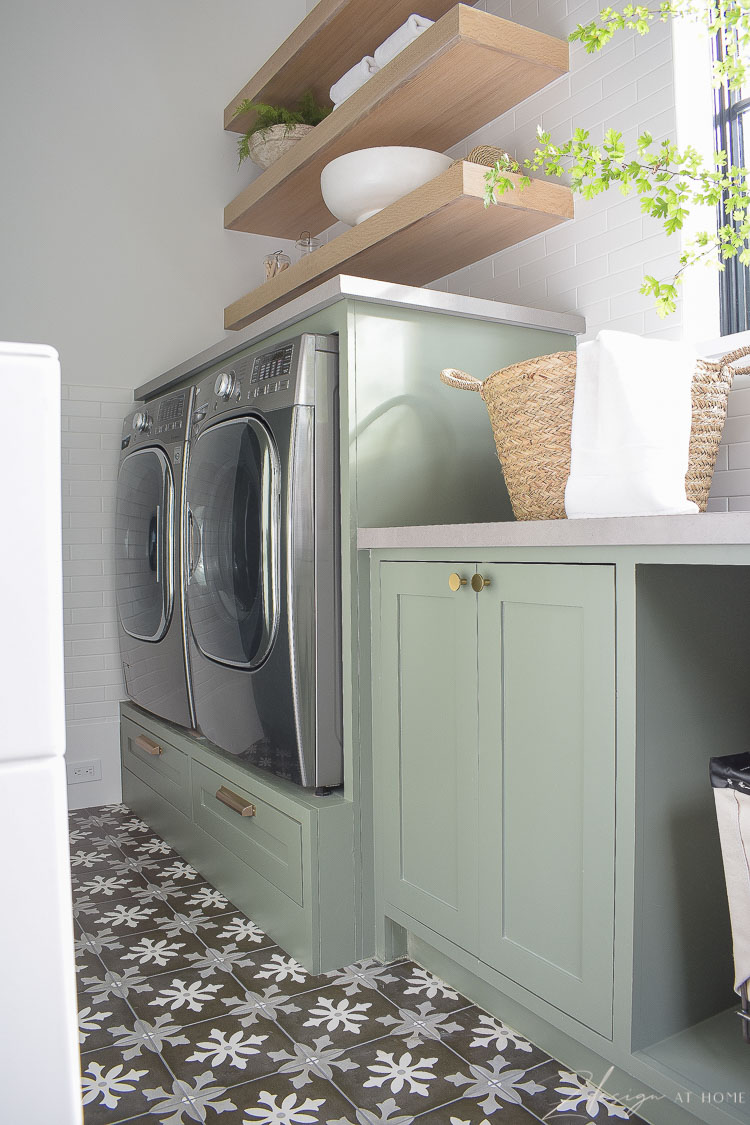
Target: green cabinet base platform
(289,865)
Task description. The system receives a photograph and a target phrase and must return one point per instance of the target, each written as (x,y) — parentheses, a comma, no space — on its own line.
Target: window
(732,108)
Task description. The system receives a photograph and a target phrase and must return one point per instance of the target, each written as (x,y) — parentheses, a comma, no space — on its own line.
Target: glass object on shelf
(305,245)
(276,262)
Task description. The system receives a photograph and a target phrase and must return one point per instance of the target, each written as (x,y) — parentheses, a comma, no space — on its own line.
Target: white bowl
(359,184)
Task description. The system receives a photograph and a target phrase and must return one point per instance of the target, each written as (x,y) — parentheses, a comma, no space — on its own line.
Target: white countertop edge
(712,528)
(345,286)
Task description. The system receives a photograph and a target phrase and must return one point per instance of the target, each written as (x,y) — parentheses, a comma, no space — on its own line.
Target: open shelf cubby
(693,703)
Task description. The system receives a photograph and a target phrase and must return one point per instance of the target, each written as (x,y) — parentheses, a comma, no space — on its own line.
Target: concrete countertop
(343,287)
(710,528)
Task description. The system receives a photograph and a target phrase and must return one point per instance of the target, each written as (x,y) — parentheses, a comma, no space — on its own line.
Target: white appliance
(39,1060)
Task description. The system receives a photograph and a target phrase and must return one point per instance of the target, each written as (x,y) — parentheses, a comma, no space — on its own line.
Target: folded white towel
(401,38)
(631,427)
(355,77)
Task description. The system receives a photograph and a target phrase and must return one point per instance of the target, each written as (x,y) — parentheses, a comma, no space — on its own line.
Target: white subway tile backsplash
(80,440)
(101,426)
(101,394)
(739,402)
(90,458)
(546,266)
(85,409)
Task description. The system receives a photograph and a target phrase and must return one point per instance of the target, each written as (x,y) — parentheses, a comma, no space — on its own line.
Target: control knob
(141,422)
(225,384)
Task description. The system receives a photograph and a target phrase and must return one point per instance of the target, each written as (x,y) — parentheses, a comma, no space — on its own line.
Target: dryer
(262,554)
(148,556)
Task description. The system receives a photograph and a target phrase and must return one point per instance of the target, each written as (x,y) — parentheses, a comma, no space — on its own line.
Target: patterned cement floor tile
(114,1089)
(176,871)
(199,896)
(273,966)
(93,858)
(186,996)
(147,868)
(152,953)
(97,1020)
(232,928)
(87,965)
(413,984)
(148,847)
(419,1079)
(363,976)
(467,1112)
(103,887)
(286,1099)
(347,1020)
(478,1036)
(233,1054)
(127,918)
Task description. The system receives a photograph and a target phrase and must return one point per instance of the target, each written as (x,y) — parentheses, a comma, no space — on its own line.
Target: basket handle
(731,357)
(455,378)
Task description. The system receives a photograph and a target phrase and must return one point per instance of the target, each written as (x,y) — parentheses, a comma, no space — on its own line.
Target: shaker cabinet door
(546,782)
(426,746)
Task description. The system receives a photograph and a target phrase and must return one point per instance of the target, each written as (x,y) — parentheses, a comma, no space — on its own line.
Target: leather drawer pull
(233,801)
(146,744)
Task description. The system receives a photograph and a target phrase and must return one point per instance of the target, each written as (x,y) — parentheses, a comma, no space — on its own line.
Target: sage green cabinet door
(546,782)
(426,748)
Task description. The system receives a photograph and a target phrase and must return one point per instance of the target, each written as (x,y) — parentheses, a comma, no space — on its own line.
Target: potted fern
(276,129)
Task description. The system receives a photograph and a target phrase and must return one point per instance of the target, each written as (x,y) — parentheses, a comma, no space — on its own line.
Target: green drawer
(269,841)
(162,766)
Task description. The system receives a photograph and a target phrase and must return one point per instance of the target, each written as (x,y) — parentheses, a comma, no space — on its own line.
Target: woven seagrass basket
(531,409)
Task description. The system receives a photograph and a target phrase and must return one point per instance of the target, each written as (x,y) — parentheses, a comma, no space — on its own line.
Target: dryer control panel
(164,420)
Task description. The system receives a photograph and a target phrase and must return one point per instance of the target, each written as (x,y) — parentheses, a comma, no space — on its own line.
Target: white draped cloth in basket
(630,434)
(733,813)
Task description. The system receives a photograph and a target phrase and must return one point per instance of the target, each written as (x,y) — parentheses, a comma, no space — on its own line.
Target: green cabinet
(426,749)
(495,767)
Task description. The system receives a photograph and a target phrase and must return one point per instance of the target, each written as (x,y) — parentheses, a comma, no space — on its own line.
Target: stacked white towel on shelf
(362,71)
(355,77)
(401,37)
(631,427)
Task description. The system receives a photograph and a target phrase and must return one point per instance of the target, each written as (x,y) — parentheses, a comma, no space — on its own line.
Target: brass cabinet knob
(478,583)
(456,582)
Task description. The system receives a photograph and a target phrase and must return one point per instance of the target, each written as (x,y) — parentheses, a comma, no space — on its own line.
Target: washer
(148,556)
(263,569)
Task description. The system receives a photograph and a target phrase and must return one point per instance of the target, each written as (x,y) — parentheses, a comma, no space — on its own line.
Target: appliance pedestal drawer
(259,834)
(278,852)
(157,762)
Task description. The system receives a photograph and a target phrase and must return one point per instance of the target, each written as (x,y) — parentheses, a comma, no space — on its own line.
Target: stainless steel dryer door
(144,524)
(233,505)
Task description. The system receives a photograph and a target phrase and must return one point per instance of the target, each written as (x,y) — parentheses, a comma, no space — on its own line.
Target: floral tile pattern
(190,1013)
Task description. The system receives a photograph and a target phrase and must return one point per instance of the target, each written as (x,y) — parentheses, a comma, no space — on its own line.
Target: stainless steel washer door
(144,524)
(233,504)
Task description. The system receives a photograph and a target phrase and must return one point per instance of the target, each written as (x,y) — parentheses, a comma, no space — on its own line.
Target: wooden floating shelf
(441,227)
(331,39)
(464,71)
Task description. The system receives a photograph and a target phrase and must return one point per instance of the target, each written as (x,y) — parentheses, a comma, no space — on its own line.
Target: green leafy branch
(729,19)
(668,182)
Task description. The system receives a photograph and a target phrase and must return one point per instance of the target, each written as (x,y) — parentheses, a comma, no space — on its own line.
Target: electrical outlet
(84,771)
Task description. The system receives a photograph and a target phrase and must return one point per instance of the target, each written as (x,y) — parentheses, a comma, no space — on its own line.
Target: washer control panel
(275,366)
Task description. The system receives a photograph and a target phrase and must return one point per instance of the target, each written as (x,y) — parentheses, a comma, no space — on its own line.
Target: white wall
(116,169)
